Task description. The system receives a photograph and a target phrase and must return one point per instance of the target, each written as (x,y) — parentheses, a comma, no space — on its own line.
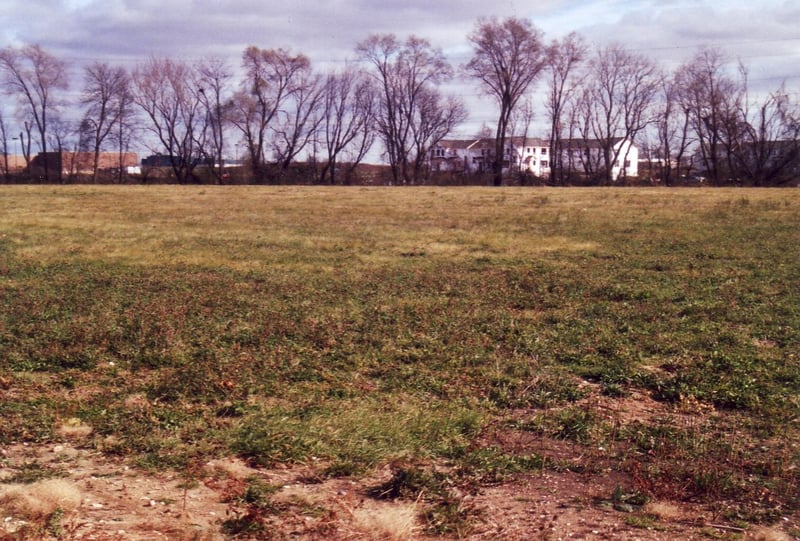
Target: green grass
(359,326)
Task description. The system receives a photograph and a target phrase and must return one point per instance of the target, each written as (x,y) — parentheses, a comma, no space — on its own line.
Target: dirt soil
(102,498)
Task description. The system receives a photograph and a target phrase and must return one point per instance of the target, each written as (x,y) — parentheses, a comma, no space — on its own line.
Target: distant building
(81,163)
(159,160)
(16,162)
(165,160)
(531,155)
(587,156)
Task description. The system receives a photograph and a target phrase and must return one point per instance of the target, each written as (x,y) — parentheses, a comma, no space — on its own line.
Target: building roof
(457,143)
(588,143)
(488,142)
(519,141)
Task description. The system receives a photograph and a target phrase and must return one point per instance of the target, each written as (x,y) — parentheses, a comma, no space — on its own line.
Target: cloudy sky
(764,34)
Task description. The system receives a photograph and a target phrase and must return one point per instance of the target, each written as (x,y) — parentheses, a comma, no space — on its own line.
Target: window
(544,152)
(627,163)
(545,163)
(530,150)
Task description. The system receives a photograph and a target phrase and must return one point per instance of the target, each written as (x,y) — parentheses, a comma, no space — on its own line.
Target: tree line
(698,121)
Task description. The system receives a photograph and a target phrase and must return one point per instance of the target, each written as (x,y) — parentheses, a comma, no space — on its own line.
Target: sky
(764,34)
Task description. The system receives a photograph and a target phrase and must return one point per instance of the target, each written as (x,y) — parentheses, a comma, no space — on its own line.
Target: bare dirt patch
(116,501)
(65,491)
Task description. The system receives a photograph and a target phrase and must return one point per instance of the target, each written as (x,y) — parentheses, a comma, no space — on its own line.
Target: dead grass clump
(137,401)
(763,533)
(663,511)
(395,521)
(40,499)
(233,468)
(74,429)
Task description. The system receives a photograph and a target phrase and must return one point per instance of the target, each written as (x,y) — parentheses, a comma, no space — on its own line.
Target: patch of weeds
(575,423)
(249,505)
(232,410)
(490,465)
(267,440)
(409,482)
(744,514)
(614,390)
(343,468)
(449,516)
(543,391)
(614,376)
(67,381)
(305,507)
(675,388)
(31,472)
(32,421)
(704,478)
(444,512)
(632,498)
(53,524)
(647,438)
(241,525)
(644,521)
(258,493)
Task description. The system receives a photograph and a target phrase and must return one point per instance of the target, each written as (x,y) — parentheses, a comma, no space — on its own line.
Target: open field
(630,356)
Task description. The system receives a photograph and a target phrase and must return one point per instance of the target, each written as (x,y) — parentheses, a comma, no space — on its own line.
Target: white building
(534,156)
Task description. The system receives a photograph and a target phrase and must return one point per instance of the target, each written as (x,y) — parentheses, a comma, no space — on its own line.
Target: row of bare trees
(698,120)
(278,111)
(707,121)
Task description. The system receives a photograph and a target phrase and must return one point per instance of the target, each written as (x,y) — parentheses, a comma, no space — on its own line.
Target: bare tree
(297,123)
(712,99)
(347,120)
(672,125)
(25,139)
(33,75)
(437,117)
(520,124)
(621,86)
(586,151)
(105,88)
(507,57)
(4,145)
(271,76)
(127,126)
(564,59)
(767,150)
(571,156)
(62,138)
(167,93)
(214,76)
(413,115)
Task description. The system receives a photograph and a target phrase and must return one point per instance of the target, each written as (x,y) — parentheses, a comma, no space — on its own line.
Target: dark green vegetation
(366,326)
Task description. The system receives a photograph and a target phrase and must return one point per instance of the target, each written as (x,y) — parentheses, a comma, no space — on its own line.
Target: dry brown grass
(279,324)
(74,429)
(763,533)
(194,224)
(41,499)
(664,511)
(386,521)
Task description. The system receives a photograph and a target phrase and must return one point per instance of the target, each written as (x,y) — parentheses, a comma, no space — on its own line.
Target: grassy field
(358,327)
